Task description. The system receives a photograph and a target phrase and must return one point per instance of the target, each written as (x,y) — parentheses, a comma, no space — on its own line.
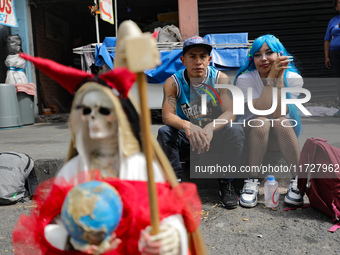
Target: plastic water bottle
(271,192)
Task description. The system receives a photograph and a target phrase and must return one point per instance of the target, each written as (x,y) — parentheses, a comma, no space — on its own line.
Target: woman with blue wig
(267,69)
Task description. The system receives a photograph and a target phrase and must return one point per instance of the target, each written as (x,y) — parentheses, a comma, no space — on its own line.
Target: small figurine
(15,64)
(16,75)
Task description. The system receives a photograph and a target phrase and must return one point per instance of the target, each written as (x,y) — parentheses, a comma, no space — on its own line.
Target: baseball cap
(196,41)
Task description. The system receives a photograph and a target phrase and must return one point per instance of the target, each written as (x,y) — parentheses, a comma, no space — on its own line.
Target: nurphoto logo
(238,103)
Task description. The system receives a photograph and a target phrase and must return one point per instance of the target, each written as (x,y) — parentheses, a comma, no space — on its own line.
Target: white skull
(98,111)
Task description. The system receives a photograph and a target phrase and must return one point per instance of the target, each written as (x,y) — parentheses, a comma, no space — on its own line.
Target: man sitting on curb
(187,128)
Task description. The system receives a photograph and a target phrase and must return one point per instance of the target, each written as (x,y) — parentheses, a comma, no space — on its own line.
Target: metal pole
(116,18)
(97,24)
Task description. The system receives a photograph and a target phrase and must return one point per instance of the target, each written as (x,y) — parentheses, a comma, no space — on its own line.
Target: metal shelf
(167,46)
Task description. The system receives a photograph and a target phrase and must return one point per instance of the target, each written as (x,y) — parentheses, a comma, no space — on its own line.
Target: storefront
(51,29)
(61,25)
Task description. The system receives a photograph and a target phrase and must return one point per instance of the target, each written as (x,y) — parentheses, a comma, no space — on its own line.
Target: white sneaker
(248,195)
(293,196)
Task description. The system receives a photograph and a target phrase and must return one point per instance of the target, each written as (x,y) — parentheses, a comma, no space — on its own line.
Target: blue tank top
(189,97)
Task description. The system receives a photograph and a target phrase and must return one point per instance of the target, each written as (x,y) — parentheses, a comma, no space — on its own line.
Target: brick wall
(54,94)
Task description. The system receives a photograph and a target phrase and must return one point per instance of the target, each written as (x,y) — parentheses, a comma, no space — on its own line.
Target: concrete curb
(47,168)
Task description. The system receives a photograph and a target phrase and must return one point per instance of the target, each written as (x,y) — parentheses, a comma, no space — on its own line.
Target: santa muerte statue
(107,147)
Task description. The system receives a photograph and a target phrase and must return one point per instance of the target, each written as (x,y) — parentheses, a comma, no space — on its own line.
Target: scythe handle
(145,120)
(198,246)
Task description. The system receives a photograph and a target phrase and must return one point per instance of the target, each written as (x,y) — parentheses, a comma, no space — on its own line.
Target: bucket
(9,108)
(26,107)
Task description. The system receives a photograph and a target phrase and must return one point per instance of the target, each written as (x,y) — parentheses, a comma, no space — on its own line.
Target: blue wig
(276,46)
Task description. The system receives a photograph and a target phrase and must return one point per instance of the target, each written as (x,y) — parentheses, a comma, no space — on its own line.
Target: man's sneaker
(248,195)
(228,195)
(293,196)
(337,114)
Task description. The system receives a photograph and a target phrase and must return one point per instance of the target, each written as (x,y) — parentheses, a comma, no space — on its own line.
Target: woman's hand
(278,69)
(279,66)
(328,63)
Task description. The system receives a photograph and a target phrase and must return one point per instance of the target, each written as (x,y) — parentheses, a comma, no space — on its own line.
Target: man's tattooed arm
(170,99)
(163,97)
(172,102)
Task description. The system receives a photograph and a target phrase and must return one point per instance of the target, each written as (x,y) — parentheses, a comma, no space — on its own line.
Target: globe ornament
(91,212)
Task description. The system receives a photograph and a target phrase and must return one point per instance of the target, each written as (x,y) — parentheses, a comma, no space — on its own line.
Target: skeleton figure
(105,135)
(98,112)
(103,139)
(100,131)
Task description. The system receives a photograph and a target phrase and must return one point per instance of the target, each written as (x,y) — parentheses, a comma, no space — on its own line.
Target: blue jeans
(227,140)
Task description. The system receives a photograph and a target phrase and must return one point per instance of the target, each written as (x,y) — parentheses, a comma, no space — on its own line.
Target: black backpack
(17,177)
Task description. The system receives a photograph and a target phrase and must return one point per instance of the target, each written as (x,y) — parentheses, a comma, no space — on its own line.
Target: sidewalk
(47,143)
(239,231)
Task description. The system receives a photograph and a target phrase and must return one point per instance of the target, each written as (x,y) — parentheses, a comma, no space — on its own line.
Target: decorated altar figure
(106,146)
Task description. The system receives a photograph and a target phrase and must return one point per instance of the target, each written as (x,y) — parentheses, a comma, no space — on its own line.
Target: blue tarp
(228,58)
(222,58)
(103,56)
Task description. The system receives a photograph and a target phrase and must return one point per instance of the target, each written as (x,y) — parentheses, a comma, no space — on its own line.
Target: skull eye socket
(104,110)
(87,110)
